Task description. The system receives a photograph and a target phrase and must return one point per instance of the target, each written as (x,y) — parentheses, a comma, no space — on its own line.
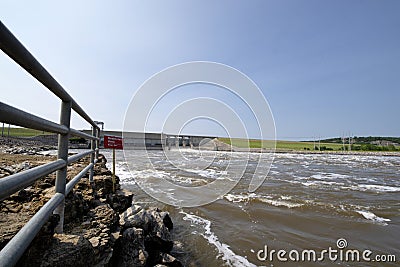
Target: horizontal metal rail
(82,134)
(9,114)
(76,179)
(15,50)
(15,182)
(77,157)
(11,253)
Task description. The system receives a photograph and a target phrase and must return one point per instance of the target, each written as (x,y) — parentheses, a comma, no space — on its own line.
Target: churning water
(308,201)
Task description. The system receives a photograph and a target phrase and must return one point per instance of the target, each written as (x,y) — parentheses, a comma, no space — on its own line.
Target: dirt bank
(102,228)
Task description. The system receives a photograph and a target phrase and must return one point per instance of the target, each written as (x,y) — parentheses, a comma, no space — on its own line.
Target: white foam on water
(128,177)
(239,198)
(282,202)
(230,258)
(380,188)
(122,172)
(320,183)
(189,181)
(272,172)
(373,188)
(149,173)
(323,176)
(366,179)
(372,217)
(208,173)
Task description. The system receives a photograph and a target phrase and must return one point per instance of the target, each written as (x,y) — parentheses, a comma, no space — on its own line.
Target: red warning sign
(113,142)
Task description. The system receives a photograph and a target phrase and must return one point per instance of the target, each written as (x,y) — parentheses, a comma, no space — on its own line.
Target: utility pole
(319,143)
(314,143)
(343,141)
(349,142)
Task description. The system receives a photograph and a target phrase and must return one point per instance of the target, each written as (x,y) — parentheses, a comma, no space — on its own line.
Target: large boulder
(120,201)
(156,226)
(159,237)
(131,249)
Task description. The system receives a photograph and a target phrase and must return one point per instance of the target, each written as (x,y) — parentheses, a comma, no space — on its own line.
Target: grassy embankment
(281,145)
(21,132)
(25,132)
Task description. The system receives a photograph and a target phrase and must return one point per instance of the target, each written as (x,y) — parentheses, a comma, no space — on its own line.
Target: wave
(372,217)
(379,188)
(230,258)
(208,173)
(284,201)
(240,198)
(342,209)
(322,183)
(272,172)
(330,176)
(128,177)
(122,172)
(373,188)
(343,184)
(281,202)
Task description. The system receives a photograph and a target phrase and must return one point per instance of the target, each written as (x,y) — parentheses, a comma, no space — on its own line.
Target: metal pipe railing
(61,175)
(82,134)
(76,179)
(9,114)
(11,253)
(79,156)
(15,182)
(92,146)
(97,143)
(15,50)
(12,115)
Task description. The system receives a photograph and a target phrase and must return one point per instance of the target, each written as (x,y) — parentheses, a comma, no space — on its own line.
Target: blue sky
(325,67)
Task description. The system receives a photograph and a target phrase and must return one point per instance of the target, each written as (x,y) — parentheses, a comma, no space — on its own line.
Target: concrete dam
(137,140)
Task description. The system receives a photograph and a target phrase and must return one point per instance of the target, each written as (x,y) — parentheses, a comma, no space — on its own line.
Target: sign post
(113,171)
(114,142)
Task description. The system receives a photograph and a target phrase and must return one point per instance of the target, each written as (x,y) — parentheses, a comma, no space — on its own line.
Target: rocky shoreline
(101,228)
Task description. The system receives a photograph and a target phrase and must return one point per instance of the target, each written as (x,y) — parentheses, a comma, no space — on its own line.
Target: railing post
(61,176)
(98,142)
(92,156)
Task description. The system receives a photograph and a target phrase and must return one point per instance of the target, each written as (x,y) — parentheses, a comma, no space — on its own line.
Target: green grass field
(21,132)
(283,145)
(291,145)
